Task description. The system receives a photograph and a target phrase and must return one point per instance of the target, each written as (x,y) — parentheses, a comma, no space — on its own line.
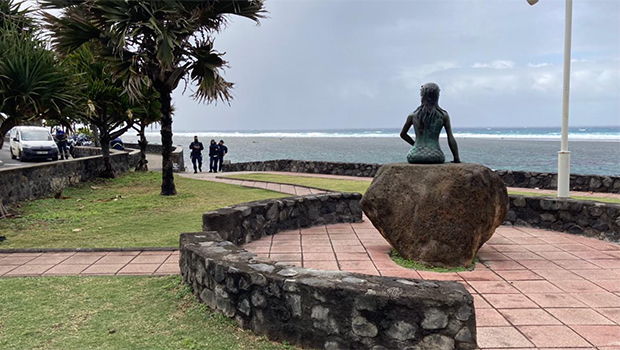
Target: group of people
(217,151)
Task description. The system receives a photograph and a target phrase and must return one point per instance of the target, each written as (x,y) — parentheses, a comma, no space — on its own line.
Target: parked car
(32,142)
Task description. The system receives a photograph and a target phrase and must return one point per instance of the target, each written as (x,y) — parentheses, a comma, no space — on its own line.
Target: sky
(332,64)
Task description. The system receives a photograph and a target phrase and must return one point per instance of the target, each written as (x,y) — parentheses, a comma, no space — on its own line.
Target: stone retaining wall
(42,179)
(313,308)
(248,222)
(178,162)
(523,179)
(592,219)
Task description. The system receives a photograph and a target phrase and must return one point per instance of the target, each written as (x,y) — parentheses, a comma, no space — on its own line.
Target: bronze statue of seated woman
(428,120)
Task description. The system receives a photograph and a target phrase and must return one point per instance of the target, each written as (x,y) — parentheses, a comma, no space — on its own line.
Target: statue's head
(429,93)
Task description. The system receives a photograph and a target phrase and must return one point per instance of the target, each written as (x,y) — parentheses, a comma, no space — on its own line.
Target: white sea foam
(379,134)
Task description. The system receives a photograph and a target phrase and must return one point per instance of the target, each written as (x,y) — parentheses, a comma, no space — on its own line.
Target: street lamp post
(564,154)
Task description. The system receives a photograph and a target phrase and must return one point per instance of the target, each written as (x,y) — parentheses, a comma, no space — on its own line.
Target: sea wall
(178,162)
(592,219)
(313,308)
(37,180)
(523,179)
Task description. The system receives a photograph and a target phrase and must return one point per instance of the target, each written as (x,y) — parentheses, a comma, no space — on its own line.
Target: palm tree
(102,101)
(33,85)
(165,41)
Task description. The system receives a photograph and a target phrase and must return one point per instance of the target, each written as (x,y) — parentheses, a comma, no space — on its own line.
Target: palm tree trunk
(165,98)
(142,163)
(108,171)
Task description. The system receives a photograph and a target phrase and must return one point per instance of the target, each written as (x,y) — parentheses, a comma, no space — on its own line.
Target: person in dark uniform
(196,154)
(221,153)
(117,144)
(61,142)
(213,152)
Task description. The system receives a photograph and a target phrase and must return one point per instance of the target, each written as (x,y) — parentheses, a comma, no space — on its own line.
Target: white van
(32,142)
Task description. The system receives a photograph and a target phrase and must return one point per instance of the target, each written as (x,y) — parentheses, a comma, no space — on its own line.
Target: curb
(87,250)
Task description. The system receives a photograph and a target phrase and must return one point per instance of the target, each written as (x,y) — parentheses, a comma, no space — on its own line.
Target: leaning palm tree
(165,41)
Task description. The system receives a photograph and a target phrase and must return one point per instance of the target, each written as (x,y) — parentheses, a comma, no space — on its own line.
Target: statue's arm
(404,133)
(451,141)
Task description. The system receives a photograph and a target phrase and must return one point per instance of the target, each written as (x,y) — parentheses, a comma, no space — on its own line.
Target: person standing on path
(196,154)
(213,152)
(221,153)
(61,143)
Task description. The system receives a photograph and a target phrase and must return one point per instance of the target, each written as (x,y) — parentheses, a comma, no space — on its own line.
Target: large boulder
(436,214)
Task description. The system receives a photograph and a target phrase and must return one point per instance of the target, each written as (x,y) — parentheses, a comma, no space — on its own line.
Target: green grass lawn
(114,313)
(123,212)
(361,186)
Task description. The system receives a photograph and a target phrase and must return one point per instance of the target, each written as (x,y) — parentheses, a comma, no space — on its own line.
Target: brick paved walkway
(96,263)
(533,288)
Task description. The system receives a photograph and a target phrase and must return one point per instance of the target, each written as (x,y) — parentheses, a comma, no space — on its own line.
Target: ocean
(594,150)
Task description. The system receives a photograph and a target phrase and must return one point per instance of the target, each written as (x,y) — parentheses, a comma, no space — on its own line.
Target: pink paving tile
(480,303)
(314,230)
(557,255)
(501,337)
(592,254)
(553,336)
(346,242)
(519,275)
(576,265)
(47,259)
(103,269)
(28,270)
(529,287)
(128,253)
(349,249)
(489,318)
(83,259)
(7,268)
(607,263)
(577,286)
(555,300)
(138,269)
(149,259)
(493,256)
(523,255)
(479,276)
(504,265)
(600,335)
(321,265)
(116,259)
(579,317)
(509,301)
(352,256)
(322,248)
(440,276)
(542,248)
(15,260)
(401,272)
(65,270)
(356,265)
(493,287)
(573,247)
(605,299)
(611,313)
(598,274)
(156,252)
(540,265)
(527,240)
(25,255)
(529,317)
(168,269)
(285,248)
(287,238)
(319,256)
(558,275)
(610,285)
(508,248)
(285,256)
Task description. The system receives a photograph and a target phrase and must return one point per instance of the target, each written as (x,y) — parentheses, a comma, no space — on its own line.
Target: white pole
(564,154)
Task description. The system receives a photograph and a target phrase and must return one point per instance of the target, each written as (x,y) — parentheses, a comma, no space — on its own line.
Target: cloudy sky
(326,64)
(359,64)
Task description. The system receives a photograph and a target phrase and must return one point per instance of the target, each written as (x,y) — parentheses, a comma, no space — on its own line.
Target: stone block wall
(523,179)
(326,309)
(42,179)
(313,308)
(178,162)
(247,222)
(593,219)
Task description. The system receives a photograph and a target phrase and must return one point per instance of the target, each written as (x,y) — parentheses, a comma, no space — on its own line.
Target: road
(5,157)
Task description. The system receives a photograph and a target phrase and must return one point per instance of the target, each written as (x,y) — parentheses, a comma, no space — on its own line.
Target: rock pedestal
(436,214)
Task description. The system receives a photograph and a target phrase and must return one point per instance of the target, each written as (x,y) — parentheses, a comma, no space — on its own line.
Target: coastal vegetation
(123,212)
(360,186)
(155,43)
(114,313)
